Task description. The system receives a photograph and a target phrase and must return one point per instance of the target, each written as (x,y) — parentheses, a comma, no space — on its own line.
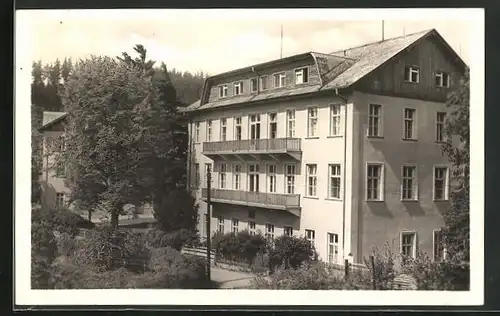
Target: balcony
(286,202)
(279,149)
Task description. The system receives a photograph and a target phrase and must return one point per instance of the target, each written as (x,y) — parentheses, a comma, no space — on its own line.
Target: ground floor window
(220,224)
(269,231)
(288,231)
(409,244)
(333,247)
(310,235)
(59,200)
(251,228)
(234,225)
(439,250)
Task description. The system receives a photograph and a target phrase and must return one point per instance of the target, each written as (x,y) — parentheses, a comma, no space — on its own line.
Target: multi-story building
(342,148)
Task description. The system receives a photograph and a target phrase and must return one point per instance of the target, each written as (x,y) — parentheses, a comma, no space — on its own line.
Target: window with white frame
(237,128)
(251,228)
(442,79)
(334,183)
(302,75)
(237,177)
(438,248)
(220,224)
(209,130)
(197,175)
(310,236)
(312,180)
(288,231)
(273,125)
(333,248)
(264,85)
(374,182)
(375,120)
(409,184)
(409,124)
(223,129)
(440,117)
(253,177)
(412,74)
(335,120)
(255,126)
(234,225)
(253,85)
(238,88)
(290,123)
(279,80)
(223,176)
(290,179)
(409,244)
(271,178)
(197,132)
(223,91)
(312,122)
(269,231)
(440,183)
(59,200)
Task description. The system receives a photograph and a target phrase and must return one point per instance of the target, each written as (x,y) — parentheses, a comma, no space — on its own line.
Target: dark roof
(136,221)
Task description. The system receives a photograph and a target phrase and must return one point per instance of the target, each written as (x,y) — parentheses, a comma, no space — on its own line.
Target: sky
(215,41)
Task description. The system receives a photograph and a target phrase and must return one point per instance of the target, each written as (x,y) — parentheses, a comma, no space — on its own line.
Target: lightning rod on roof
(281,44)
(383,29)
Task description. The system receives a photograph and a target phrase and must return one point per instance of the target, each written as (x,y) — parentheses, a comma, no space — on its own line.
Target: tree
(104,99)
(456,148)
(36,153)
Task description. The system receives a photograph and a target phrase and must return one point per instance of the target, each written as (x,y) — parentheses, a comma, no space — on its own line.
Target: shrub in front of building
(239,247)
(290,252)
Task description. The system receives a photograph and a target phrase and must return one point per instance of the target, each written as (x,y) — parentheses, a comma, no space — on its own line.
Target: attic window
(238,88)
(442,79)
(279,80)
(412,74)
(301,75)
(263,82)
(253,84)
(223,91)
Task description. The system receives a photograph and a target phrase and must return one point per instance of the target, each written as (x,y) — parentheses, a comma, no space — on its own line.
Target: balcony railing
(259,199)
(278,145)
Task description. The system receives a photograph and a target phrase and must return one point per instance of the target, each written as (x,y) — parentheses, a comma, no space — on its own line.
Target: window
(290,123)
(234,225)
(59,200)
(440,117)
(412,74)
(251,228)
(236,177)
(312,122)
(238,88)
(290,179)
(335,120)
(440,183)
(288,231)
(312,180)
(253,175)
(269,231)
(253,85)
(408,244)
(197,132)
(409,124)
(310,236)
(374,120)
(273,125)
(208,167)
(220,224)
(223,91)
(442,79)
(209,130)
(223,176)
(204,227)
(263,83)
(223,129)
(271,178)
(334,183)
(438,245)
(255,126)
(302,75)
(374,182)
(409,183)
(279,80)
(237,128)
(333,248)
(196,175)
(62,143)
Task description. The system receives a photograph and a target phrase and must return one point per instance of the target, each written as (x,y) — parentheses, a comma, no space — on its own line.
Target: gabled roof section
(51,118)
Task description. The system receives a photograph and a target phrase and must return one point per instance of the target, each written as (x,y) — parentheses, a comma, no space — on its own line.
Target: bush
(384,268)
(291,252)
(178,239)
(63,220)
(43,242)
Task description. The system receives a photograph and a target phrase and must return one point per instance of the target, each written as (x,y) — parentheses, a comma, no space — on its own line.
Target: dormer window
(263,83)
(412,74)
(238,88)
(301,75)
(279,80)
(442,79)
(223,91)
(253,85)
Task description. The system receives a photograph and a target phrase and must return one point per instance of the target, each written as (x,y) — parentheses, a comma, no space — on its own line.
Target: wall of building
(380,222)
